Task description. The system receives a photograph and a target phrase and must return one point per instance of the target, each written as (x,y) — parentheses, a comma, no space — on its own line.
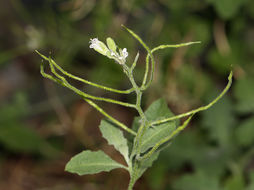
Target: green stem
(199,109)
(146,72)
(129,73)
(144,125)
(133,176)
(144,85)
(134,62)
(89,102)
(110,117)
(173,46)
(83,80)
(83,94)
(166,139)
(131,184)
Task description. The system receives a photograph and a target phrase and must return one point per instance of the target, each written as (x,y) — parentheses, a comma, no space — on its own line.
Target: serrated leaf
(115,137)
(88,162)
(158,110)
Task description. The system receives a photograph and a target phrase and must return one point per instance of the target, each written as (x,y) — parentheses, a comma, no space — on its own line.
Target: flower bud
(111,44)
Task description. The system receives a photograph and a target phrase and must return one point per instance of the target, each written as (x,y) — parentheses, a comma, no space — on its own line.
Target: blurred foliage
(12,134)
(215,153)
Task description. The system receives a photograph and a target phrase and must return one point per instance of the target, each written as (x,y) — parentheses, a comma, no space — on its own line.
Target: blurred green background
(42,125)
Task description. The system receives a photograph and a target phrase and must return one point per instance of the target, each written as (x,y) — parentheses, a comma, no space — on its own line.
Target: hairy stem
(83,80)
(144,85)
(83,94)
(62,82)
(166,139)
(110,117)
(142,129)
(199,109)
(133,175)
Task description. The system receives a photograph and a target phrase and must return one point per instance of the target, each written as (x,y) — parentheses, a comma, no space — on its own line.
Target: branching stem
(83,80)
(136,158)
(63,83)
(199,109)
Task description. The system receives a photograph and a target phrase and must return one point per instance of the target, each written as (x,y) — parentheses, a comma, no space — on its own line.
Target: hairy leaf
(88,162)
(158,110)
(115,137)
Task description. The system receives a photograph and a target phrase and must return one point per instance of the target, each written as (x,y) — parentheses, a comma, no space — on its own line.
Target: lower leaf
(88,162)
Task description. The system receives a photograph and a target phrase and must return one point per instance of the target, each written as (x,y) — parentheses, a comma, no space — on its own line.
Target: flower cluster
(110,50)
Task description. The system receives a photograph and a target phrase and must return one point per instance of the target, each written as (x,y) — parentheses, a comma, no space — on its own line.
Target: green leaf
(111,44)
(88,162)
(158,110)
(146,164)
(115,137)
(245,132)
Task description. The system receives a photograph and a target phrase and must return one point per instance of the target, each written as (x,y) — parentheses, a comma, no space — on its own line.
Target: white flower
(95,44)
(125,53)
(110,51)
(120,57)
(98,46)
